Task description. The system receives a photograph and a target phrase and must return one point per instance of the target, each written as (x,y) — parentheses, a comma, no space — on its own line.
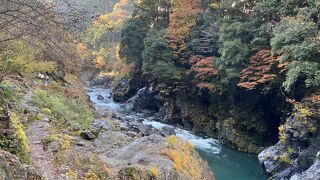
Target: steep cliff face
(246,121)
(299,143)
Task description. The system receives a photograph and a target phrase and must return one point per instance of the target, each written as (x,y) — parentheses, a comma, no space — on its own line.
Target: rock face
(127,87)
(299,143)
(12,168)
(313,173)
(144,99)
(244,126)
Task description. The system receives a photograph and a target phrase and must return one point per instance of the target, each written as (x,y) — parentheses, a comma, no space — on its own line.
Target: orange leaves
(259,71)
(202,67)
(81,49)
(182,19)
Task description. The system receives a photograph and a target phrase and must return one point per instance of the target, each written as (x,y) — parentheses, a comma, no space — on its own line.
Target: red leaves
(202,68)
(259,70)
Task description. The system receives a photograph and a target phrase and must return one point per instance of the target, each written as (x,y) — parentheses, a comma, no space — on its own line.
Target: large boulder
(100,81)
(12,168)
(299,142)
(143,100)
(313,173)
(127,87)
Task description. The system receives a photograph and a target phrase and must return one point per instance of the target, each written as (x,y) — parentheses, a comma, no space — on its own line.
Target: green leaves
(290,32)
(310,71)
(295,41)
(132,36)
(233,52)
(157,58)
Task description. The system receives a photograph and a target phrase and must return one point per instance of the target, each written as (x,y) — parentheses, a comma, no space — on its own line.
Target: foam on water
(107,104)
(204,144)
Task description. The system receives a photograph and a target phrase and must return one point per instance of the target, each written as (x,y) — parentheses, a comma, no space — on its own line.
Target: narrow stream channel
(227,164)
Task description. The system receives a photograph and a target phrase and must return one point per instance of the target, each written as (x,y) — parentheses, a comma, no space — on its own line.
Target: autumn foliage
(259,70)
(203,70)
(182,19)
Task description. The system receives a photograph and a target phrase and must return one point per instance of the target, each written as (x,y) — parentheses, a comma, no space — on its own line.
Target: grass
(69,112)
(87,166)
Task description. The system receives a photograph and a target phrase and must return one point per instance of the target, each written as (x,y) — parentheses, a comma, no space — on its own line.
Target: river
(227,164)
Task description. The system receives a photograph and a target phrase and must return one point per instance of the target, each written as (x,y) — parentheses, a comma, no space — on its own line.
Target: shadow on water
(233,165)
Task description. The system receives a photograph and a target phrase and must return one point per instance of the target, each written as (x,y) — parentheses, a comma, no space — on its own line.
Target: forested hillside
(238,71)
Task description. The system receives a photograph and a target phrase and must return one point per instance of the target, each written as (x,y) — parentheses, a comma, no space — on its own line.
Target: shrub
(23,149)
(153,172)
(172,140)
(181,153)
(46,111)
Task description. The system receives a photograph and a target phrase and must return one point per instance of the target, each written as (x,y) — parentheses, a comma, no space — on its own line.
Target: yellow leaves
(46,111)
(71,175)
(181,153)
(283,158)
(23,147)
(116,17)
(153,172)
(281,128)
(302,110)
(65,142)
(100,61)
(172,140)
(282,136)
(182,20)
(90,176)
(214,5)
(178,158)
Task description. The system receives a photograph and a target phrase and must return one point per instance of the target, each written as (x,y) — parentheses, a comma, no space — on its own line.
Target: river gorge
(225,163)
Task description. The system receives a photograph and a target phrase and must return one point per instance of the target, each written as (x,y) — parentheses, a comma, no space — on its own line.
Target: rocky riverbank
(131,150)
(296,155)
(114,146)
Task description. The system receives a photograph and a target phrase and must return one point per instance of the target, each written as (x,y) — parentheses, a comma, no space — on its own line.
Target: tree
(157,58)
(204,36)
(132,37)
(261,69)
(42,25)
(148,14)
(203,71)
(182,19)
(295,41)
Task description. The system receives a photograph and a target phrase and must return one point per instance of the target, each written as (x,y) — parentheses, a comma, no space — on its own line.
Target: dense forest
(126,89)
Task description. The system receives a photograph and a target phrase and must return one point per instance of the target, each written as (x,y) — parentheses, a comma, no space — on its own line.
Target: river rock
(128,86)
(167,131)
(143,100)
(100,81)
(313,173)
(88,135)
(100,97)
(98,125)
(143,129)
